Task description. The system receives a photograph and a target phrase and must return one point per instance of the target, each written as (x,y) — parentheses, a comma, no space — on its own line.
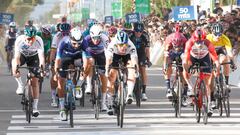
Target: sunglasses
(122,45)
(96,38)
(139,31)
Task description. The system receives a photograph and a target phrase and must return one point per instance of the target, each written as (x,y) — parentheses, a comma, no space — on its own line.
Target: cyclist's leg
(110,89)
(130,82)
(33,61)
(65,62)
(187,76)
(89,78)
(143,72)
(167,70)
(226,67)
(18,61)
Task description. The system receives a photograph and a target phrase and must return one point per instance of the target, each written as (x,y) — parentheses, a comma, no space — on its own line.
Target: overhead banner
(143,6)
(108,19)
(85,13)
(133,18)
(184,13)
(117,10)
(6,18)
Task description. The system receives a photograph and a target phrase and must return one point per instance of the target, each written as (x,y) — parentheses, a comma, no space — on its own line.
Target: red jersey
(199,50)
(176,41)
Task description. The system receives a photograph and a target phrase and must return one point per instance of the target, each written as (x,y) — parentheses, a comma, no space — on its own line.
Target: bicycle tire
(122,103)
(226,103)
(29,108)
(82,99)
(97,97)
(197,103)
(179,93)
(137,92)
(205,103)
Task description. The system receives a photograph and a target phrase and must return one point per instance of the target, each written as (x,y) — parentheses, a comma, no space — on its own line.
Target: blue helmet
(122,37)
(65,27)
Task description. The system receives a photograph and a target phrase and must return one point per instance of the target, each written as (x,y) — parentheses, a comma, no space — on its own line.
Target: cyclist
(45,34)
(223,48)
(28,49)
(141,41)
(199,50)
(95,44)
(64,29)
(11,36)
(121,47)
(112,32)
(173,50)
(69,52)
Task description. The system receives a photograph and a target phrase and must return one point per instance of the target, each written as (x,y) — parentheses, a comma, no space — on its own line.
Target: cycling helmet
(30,31)
(138,27)
(217,29)
(177,27)
(12,24)
(76,35)
(29,23)
(199,34)
(46,30)
(122,37)
(95,31)
(65,27)
(58,26)
(112,30)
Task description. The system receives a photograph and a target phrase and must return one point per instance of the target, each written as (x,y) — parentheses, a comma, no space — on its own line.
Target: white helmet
(12,24)
(76,35)
(96,31)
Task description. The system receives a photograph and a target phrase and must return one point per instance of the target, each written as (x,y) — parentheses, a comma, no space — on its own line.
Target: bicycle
(138,90)
(201,97)
(177,87)
(222,93)
(27,99)
(96,91)
(70,93)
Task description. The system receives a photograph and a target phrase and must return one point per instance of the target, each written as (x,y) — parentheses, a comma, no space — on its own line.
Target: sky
(42,9)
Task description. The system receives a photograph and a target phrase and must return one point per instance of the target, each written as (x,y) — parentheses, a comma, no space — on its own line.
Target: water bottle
(78,90)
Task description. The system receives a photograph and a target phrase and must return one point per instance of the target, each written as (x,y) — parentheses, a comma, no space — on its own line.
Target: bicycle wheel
(82,99)
(97,91)
(70,102)
(137,91)
(197,103)
(29,108)
(205,103)
(179,94)
(226,102)
(122,103)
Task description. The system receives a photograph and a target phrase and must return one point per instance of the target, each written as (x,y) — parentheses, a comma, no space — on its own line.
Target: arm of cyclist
(213,56)
(109,56)
(41,53)
(58,57)
(16,58)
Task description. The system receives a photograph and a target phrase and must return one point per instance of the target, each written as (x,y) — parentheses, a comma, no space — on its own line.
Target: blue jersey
(66,50)
(96,49)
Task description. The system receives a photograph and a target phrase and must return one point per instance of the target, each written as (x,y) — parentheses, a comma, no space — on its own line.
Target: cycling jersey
(46,41)
(198,51)
(112,49)
(21,47)
(96,49)
(223,41)
(169,45)
(65,49)
(56,39)
(140,43)
(11,36)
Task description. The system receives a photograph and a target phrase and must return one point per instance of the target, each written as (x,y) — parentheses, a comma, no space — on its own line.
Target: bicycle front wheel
(137,92)
(205,103)
(122,104)
(28,104)
(226,103)
(179,93)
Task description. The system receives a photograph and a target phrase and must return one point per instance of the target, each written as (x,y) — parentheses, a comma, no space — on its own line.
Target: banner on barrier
(133,18)
(6,18)
(108,19)
(184,13)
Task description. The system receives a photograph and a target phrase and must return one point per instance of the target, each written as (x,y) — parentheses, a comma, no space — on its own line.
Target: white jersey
(56,40)
(112,49)
(21,46)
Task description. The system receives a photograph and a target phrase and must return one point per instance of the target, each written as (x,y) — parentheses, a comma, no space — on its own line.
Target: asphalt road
(156,116)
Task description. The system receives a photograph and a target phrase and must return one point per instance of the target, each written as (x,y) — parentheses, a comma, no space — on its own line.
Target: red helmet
(199,34)
(177,27)
(112,30)
(177,39)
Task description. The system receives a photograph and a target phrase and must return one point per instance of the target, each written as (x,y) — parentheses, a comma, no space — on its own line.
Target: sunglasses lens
(96,38)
